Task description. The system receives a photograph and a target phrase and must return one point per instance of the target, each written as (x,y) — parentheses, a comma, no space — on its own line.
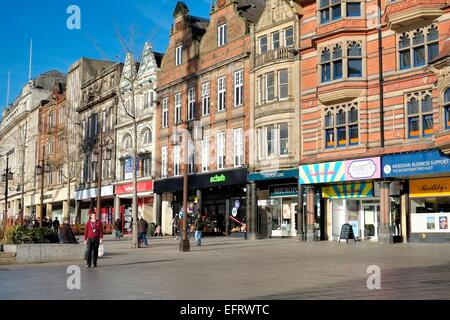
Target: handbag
(101,250)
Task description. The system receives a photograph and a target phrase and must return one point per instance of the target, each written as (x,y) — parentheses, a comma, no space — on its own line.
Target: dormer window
(179,55)
(222,35)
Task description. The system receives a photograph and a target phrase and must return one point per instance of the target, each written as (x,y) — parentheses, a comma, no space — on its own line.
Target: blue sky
(56,47)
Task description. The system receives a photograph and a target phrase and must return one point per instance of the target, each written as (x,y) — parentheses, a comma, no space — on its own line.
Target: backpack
(200,225)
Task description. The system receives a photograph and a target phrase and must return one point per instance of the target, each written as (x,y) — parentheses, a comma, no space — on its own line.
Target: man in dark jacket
(142,231)
(66,234)
(56,225)
(93,237)
(199,226)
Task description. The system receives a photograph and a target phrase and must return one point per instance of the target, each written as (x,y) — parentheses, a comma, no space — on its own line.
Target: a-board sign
(347,233)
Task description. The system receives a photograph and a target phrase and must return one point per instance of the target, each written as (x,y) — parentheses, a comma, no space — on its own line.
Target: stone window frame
(179,54)
(411,46)
(206,98)
(165,113)
(222,94)
(191,103)
(262,89)
(238,85)
(343,10)
(178,107)
(421,115)
(446,108)
(335,128)
(146,136)
(221,150)
(238,147)
(345,57)
(263,143)
(222,33)
(282,39)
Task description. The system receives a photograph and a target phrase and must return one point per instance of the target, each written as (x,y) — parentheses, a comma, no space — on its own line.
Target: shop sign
(92,193)
(146,186)
(415,163)
(288,190)
(272,175)
(218,179)
(341,171)
(348,191)
(429,187)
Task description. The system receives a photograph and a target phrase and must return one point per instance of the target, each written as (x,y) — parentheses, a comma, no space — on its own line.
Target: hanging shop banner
(415,163)
(437,187)
(341,171)
(280,191)
(129,168)
(348,191)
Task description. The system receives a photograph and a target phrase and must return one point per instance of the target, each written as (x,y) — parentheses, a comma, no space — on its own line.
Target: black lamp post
(5,178)
(41,170)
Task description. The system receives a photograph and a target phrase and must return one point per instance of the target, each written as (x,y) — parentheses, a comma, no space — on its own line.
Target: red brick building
(204,87)
(351,109)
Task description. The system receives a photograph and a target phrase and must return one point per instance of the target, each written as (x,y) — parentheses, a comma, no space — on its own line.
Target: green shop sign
(218,179)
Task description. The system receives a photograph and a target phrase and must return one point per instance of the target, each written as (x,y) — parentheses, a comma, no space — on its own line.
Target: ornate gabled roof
(251,10)
(149,66)
(180,9)
(129,71)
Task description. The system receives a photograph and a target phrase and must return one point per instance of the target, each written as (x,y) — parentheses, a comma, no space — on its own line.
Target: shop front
(220,197)
(348,192)
(124,200)
(87,203)
(426,205)
(277,199)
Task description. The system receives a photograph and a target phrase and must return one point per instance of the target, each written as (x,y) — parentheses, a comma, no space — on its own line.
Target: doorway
(370,215)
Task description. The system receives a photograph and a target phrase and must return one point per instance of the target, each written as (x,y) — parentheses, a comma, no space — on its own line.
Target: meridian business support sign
(415,163)
(341,171)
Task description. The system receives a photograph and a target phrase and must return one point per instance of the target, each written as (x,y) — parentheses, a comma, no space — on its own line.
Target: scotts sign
(218,179)
(146,186)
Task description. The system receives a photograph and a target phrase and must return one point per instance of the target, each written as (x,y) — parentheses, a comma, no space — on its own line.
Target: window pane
(353,115)
(326,72)
(414,127)
(283,79)
(418,38)
(447,117)
(355,50)
(263,44)
(337,69)
(337,53)
(342,136)
(276,40)
(329,120)
(289,37)
(428,125)
(405,60)
(404,41)
(419,56)
(433,51)
(336,11)
(270,86)
(354,135)
(324,16)
(330,141)
(353,9)
(355,67)
(433,34)
(324,3)
(413,106)
(325,57)
(427,104)
(284,138)
(340,118)
(270,140)
(447,96)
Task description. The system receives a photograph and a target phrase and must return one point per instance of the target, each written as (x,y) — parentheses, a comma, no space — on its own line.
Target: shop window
(447,108)
(341,126)
(418,48)
(419,108)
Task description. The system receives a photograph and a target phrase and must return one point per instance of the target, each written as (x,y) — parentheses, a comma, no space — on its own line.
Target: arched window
(354,60)
(147,136)
(127,143)
(337,62)
(447,108)
(419,47)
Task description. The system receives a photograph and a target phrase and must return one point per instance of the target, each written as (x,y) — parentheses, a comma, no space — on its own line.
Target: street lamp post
(185,244)
(5,178)
(42,169)
(101,146)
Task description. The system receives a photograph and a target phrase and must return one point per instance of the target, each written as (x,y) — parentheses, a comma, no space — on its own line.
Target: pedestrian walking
(93,237)
(199,226)
(56,225)
(142,231)
(118,229)
(50,223)
(175,226)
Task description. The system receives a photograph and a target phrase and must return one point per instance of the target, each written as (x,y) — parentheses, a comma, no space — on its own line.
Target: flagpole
(8,88)
(31,60)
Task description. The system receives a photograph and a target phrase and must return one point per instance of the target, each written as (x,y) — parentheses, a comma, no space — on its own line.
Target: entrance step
(7,258)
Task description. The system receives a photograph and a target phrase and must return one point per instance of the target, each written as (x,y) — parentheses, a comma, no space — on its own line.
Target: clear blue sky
(56,47)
